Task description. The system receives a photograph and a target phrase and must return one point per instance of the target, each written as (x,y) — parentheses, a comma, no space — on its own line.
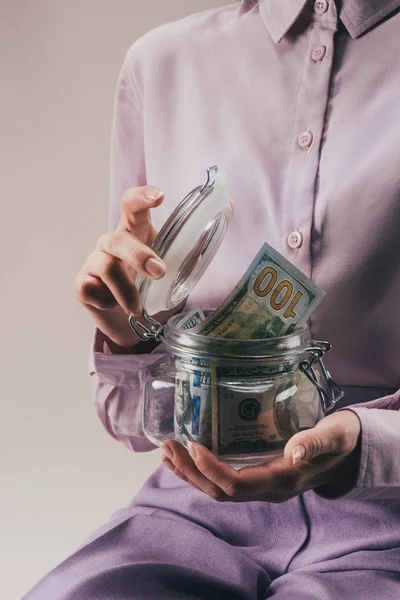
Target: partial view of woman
(297,102)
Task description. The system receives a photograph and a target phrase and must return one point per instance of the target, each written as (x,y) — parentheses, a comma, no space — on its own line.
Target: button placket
(299,191)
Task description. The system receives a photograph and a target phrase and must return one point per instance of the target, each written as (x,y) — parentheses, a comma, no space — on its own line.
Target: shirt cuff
(116,368)
(378,474)
(117,384)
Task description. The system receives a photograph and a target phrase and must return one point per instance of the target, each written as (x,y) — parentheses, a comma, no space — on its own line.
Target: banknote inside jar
(241,413)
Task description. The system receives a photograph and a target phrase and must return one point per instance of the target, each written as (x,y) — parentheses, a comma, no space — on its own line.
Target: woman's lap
(174,542)
(153,555)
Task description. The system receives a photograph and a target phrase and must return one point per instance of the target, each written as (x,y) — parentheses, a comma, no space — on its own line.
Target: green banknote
(272,297)
(193,413)
(193,409)
(192,319)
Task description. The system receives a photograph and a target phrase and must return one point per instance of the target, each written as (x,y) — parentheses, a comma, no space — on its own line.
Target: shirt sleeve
(378,474)
(117,378)
(117,390)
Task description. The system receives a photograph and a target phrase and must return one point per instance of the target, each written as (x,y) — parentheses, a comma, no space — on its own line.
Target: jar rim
(187,342)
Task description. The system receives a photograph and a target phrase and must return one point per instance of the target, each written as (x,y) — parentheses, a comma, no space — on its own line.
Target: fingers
(105,285)
(135,210)
(107,278)
(118,278)
(249,481)
(167,463)
(138,256)
(106,281)
(187,469)
(219,495)
(272,481)
(221,474)
(91,291)
(216,478)
(336,435)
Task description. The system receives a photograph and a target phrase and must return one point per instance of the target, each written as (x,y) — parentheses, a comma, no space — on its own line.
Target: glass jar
(242,399)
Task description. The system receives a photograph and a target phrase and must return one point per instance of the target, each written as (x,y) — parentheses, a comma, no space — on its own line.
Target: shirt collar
(357,15)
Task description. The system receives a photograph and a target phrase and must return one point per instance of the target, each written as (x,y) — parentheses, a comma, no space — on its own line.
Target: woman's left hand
(325,454)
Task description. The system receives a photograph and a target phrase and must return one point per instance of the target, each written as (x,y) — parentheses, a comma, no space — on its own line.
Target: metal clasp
(335,392)
(151,330)
(208,183)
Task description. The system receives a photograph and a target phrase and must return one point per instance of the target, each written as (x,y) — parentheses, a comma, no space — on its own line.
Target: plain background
(62,476)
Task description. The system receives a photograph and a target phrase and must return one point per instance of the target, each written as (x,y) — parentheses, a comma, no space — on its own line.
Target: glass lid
(187,243)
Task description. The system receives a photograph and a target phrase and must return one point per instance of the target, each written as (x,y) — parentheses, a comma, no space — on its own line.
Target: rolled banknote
(192,319)
(246,420)
(193,410)
(192,415)
(254,414)
(183,408)
(272,297)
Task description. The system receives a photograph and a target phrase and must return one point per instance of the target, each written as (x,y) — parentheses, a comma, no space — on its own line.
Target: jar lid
(187,243)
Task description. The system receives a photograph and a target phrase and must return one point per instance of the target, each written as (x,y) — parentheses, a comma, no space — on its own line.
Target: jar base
(240,461)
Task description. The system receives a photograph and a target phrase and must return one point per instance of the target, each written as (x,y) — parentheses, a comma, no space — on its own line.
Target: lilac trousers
(173,541)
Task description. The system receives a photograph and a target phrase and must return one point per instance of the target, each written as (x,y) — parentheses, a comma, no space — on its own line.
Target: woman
(297,102)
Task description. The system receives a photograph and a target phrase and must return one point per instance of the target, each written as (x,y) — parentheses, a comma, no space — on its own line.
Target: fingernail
(167,451)
(155,267)
(153,194)
(298,453)
(191,450)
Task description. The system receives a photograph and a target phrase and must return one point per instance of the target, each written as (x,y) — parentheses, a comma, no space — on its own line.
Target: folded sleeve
(117,391)
(378,475)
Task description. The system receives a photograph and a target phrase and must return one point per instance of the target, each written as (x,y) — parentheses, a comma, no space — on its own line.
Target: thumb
(324,438)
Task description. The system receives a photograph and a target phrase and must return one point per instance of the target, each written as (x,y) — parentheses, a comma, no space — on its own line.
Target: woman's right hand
(105,285)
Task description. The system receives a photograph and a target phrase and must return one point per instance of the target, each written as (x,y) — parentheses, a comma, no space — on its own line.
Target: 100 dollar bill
(193,412)
(193,408)
(272,297)
(246,421)
(192,319)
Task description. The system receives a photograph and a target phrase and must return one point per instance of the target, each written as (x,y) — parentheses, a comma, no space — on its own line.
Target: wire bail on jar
(152,330)
(335,393)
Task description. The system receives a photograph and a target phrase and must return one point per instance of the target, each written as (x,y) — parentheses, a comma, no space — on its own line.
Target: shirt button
(305,139)
(295,239)
(318,53)
(320,6)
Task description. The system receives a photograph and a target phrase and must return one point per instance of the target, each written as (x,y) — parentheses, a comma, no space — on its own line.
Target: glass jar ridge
(181,343)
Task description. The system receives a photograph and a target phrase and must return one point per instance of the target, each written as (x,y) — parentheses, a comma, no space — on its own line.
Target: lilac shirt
(299,106)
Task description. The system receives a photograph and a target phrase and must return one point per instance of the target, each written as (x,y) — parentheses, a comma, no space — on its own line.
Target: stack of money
(241,412)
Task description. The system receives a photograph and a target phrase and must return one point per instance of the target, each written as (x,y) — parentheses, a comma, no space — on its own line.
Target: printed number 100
(281,296)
